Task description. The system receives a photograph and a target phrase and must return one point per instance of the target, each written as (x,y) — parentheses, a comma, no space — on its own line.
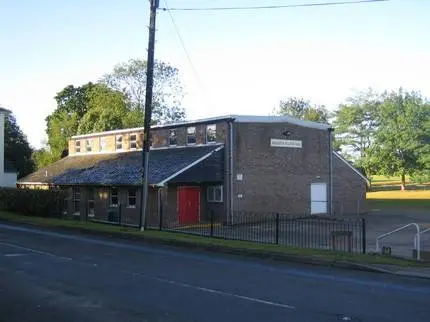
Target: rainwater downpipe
(159,204)
(231,170)
(330,149)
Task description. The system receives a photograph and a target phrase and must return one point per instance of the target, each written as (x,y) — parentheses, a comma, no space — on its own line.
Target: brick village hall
(229,167)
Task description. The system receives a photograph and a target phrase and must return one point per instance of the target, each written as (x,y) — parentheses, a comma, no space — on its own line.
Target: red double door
(188,205)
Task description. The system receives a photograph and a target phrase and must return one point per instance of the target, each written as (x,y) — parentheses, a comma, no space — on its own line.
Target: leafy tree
(115,103)
(130,78)
(108,110)
(42,158)
(302,109)
(16,147)
(401,140)
(355,124)
(73,99)
(62,125)
(84,109)
(72,105)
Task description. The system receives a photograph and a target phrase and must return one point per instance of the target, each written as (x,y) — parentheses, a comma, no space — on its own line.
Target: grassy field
(379,180)
(400,195)
(414,199)
(222,245)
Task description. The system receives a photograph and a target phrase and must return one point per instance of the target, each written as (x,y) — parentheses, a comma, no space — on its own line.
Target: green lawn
(413,199)
(379,180)
(223,245)
(394,183)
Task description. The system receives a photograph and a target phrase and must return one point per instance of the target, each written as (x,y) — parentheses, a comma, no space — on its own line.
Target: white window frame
(211,194)
(76,198)
(88,145)
(67,198)
(102,143)
(175,136)
(133,197)
(111,195)
(91,199)
(194,134)
(78,146)
(119,139)
(133,142)
(207,131)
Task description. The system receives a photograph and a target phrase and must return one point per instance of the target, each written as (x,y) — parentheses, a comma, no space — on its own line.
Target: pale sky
(247,60)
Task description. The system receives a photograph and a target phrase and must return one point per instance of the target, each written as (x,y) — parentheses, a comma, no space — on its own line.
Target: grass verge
(416,199)
(214,244)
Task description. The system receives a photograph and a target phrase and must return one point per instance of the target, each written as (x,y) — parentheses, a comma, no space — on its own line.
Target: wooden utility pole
(148,112)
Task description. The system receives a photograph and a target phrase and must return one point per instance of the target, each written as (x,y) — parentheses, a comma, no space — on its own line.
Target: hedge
(36,202)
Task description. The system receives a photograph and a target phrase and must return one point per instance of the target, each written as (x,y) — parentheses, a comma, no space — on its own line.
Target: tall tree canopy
(109,110)
(355,124)
(116,102)
(401,140)
(73,99)
(72,105)
(302,109)
(16,147)
(130,78)
(388,133)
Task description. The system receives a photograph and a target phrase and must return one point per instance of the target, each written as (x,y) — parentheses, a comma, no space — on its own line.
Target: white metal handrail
(424,231)
(417,239)
(421,233)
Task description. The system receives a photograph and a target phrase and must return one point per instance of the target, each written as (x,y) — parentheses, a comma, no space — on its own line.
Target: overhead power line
(321,4)
(190,61)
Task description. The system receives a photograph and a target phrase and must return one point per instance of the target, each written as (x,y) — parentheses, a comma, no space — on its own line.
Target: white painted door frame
(319,200)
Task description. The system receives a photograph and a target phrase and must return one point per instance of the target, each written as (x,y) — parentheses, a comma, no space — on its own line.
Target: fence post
(363,234)
(161,216)
(277,229)
(212,223)
(119,213)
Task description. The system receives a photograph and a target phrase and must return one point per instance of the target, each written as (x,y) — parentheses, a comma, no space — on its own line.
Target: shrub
(422,177)
(36,202)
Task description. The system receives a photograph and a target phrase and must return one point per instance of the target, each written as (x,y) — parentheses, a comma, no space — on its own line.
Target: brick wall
(349,190)
(102,201)
(277,179)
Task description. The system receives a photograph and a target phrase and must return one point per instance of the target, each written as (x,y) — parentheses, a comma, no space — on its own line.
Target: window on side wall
(77,146)
(172,138)
(118,142)
(133,142)
(114,197)
(65,201)
(91,195)
(191,135)
(215,194)
(102,143)
(76,200)
(132,192)
(211,133)
(89,145)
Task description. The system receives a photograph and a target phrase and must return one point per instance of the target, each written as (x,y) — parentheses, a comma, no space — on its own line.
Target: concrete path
(48,276)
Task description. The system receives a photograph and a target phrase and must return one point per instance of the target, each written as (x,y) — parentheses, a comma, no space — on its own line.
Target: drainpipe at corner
(330,148)
(230,166)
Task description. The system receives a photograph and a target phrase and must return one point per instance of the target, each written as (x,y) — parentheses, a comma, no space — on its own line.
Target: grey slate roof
(8,167)
(125,168)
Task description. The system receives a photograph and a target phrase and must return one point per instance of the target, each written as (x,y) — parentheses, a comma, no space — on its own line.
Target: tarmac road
(52,276)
